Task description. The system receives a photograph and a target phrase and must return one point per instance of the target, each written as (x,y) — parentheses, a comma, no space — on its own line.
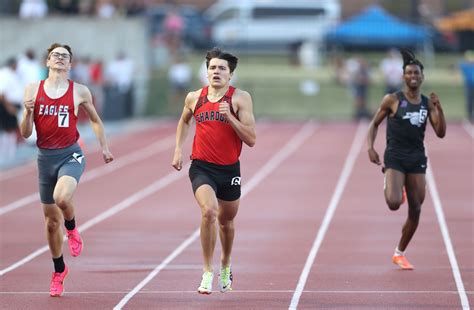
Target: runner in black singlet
(405,159)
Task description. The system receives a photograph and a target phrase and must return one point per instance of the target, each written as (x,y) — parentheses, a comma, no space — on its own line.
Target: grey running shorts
(55,163)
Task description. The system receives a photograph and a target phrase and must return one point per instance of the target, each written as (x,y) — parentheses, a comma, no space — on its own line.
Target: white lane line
(244,292)
(100,171)
(446,238)
(469,128)
(341,184)
(289,148)
(124,204)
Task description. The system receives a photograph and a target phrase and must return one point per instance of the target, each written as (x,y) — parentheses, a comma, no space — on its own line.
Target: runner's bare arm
(244,126)
(85,100)
(183,128)
(26,124)
(385,109)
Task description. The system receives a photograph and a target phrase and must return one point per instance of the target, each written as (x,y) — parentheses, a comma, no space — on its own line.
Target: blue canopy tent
(375,28)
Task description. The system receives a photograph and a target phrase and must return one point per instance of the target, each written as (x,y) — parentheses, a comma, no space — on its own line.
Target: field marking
(341,184)
(124,204)
(102,170)
(289,148)
(241,292)
(446,238)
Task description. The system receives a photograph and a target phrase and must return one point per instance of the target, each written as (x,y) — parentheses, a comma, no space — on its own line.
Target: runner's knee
(209,214)
(393,203)
(62,200)
(53,224)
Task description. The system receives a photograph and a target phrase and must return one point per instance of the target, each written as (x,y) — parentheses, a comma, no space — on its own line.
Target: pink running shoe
(57,283)
(75,242)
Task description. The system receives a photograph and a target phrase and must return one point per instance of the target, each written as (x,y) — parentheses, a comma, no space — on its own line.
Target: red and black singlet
(215,140)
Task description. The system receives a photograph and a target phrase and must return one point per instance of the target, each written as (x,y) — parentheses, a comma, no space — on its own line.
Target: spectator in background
(173,24)
(391,68)
(179,77)
(467,70)
(31,9)
(135,7)
(30,70)
(97,84)
(105,8)
(11,96)
(65,7)
(119,76)
(359,81)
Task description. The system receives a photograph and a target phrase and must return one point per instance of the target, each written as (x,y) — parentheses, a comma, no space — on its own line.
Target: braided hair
(410,59)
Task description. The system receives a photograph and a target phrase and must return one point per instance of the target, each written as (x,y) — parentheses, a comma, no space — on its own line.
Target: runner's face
(218,73)
(59,59)
(413,76)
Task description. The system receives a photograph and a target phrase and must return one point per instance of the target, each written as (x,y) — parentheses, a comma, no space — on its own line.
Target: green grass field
(275,88)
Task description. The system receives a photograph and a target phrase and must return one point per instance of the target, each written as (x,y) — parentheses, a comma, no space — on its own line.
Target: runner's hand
(177,162)
(374,157)
(108,157)
(29,106)
(434,99)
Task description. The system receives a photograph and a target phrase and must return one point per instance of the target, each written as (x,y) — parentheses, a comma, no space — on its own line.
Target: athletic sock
(59,264)
(398,252)
(70,225)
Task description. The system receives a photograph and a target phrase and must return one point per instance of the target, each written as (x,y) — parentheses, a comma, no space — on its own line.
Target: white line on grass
(261,174)
(446,238)
(346,171)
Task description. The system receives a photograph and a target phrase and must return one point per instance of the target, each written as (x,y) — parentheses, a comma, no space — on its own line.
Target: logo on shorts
(235,181)
(78,157)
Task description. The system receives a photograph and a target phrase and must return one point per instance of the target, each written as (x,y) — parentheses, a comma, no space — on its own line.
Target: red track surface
(288,190)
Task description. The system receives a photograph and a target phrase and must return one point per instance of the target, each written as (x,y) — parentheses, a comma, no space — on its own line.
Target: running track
(313,231)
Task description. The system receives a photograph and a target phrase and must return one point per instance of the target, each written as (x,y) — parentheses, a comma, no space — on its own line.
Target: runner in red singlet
(224,119)
(52,105)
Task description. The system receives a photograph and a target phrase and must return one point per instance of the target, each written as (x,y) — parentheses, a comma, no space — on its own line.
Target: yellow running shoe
(225,279)
(206,283)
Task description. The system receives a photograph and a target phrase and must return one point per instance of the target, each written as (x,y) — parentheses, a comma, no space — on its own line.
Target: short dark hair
(55,45)
(218,53)
(410,59)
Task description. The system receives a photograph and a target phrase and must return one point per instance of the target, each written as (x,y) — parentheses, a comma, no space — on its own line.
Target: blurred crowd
(102,8)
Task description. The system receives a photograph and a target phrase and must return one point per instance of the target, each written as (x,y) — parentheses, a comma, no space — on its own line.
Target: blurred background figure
(66,7)
(119,88)
(105,8)
(392,71)
(173,25)
(359,81)
(32,9)
(29,70)
(29,67)
(179,76)
(11,97)
(467,70)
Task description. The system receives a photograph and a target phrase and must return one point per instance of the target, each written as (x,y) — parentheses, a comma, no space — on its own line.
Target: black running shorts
(413,163)
(224,179)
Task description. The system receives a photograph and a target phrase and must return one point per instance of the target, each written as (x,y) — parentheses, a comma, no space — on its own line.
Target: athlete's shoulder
(241,95)
(31,89)
(194,95)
